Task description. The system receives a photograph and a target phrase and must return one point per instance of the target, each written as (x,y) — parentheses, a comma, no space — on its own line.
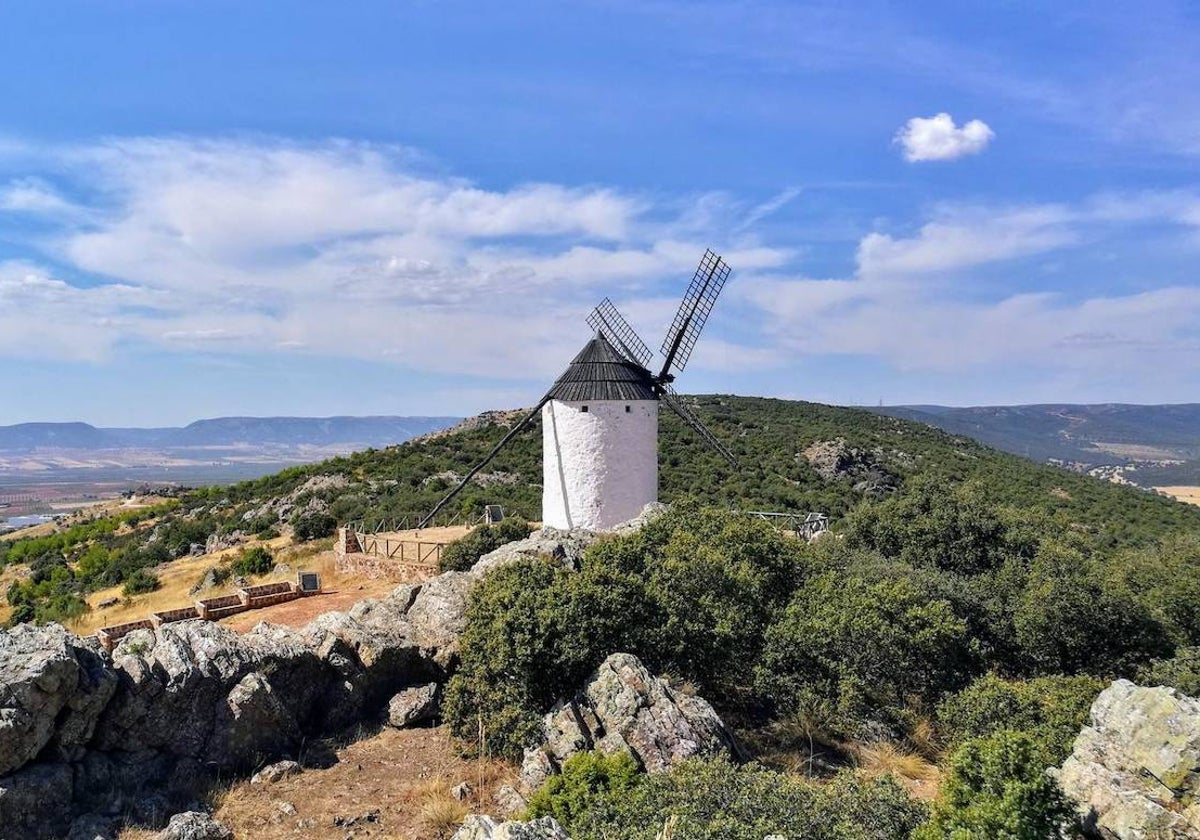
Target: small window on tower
(583,409)
(626,409)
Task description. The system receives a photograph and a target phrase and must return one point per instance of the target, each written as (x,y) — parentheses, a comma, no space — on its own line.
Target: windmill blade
(671,398)
(693,312)
(609,322)
(467,478)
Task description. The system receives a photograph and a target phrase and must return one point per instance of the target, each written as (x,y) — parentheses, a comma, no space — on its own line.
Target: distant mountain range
(359,432)
(1151,445)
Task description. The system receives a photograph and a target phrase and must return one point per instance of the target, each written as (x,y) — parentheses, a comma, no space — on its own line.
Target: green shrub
(998,787)
(140,582)
(253,561)
(463,553)
(866,647)
(585,778)
(1182,672)
(1051,710)
(714,800)
(1068,622)
(534,631)
(313,526)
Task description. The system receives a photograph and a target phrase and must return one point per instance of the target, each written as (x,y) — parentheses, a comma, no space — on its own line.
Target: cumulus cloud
(338,249)
(938,138)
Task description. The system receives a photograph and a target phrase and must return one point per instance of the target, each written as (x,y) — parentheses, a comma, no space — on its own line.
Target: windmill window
(583,409)
(626,409)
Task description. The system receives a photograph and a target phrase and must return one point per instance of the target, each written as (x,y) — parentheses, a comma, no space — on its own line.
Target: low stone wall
(109,636)
(215,609)
(168,616)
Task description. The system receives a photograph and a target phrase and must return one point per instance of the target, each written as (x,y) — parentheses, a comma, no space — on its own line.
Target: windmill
(600,418)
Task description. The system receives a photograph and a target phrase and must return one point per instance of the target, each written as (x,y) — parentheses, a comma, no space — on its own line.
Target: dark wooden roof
(599,372)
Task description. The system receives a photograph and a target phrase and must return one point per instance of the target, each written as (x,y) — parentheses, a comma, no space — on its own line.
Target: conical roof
(599,372)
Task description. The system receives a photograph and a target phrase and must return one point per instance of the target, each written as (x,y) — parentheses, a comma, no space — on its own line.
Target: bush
(534,631)
(1181,672)
(585,778)
(866,647)
(253,561)
(462,554)
(998,787)
(313,526)
(714,800)
(140,582)
(1068,622)
(1051,710)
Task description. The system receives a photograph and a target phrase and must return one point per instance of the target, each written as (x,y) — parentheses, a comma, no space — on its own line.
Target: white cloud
(938,138)
(342,249)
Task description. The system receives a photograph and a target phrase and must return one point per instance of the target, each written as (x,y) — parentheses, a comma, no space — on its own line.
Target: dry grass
(177,579)
(439,814)
(887,759)
(1184,493)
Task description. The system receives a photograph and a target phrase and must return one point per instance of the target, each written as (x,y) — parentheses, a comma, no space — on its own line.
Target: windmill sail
(693,312)
(609,322)
(685,413)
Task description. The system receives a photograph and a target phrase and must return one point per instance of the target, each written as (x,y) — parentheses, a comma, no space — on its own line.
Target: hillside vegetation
(794,456)
(965,613)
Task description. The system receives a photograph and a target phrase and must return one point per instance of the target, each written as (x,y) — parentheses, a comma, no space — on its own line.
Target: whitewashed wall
(600,467)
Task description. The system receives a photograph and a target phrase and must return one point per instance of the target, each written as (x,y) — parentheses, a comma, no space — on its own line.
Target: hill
(1153,444)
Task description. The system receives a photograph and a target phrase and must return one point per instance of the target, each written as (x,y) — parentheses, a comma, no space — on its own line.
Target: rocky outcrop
(623,707)
(836,460)
(1135,770)
(141,730)
(567,547)
(477,827)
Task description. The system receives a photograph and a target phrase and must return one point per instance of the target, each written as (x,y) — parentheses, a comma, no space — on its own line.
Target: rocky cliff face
(1135,770)
(140,731)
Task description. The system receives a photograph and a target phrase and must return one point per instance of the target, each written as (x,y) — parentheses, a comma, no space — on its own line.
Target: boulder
(276,772)
(438,615)
(566,547)
(625,708)
(51,682)
(194,825)
(414,705)
(1134,771)
(476,827)
(652,512)
(252,725)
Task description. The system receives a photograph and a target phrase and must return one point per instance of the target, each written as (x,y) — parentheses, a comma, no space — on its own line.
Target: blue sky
(323,208)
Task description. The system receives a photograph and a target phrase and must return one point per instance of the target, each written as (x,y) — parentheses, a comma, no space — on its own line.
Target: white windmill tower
(600,418)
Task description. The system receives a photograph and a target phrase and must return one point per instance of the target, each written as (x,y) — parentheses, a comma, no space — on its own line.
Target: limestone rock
(195,825)
(1135,770)
(650,513)
(49,679)
(567,547)
(476,827)
(275,772)
(438,615)
(623,707)
(462,791)
(510,801)
(253,724)
(414,705)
